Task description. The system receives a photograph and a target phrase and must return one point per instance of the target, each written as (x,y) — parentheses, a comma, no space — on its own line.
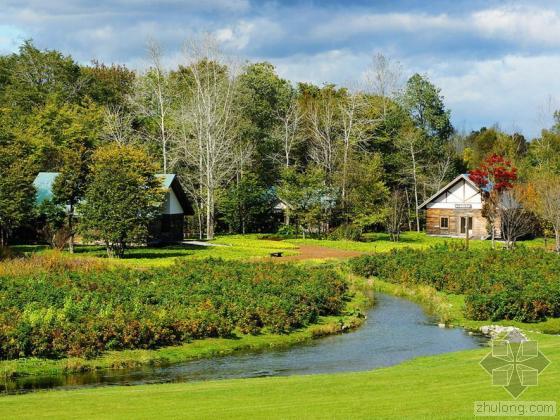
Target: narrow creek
(396,330)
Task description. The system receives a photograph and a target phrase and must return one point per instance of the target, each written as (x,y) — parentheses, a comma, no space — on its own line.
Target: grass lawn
(443,386)
(234,247)
(380,242)
(250,246)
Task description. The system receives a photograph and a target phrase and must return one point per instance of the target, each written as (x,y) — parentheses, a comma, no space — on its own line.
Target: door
(466,223)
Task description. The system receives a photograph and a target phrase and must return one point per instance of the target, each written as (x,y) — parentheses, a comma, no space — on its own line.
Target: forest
(343,160)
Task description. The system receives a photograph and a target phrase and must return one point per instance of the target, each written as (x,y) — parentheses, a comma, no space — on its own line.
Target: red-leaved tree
(494,176)
(495,173)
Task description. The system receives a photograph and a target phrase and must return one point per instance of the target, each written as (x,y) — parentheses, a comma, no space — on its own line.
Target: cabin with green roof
(168,227)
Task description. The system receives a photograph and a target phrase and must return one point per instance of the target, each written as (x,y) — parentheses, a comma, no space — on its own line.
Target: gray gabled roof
(464,177)
(44,182)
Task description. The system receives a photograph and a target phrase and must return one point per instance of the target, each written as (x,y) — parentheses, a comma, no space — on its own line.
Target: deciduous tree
(205,150)
(494,177)
(546,203)
(395,214)
(17,194)
(153,97)
(122,198)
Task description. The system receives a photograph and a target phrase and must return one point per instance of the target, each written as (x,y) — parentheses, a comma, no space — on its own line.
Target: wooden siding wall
(433,217)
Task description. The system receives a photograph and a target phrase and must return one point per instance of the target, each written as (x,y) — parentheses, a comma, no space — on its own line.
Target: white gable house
(456,210)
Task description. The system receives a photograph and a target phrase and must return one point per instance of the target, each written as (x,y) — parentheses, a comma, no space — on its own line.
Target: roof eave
(449,185)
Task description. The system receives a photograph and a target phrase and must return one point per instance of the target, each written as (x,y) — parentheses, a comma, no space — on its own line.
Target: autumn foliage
(495,173)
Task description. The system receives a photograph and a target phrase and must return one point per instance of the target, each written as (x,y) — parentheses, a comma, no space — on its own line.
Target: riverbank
(449,308)
(442,386)
(350,318)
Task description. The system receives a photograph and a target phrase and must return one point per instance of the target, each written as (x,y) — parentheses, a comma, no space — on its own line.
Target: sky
(496,62)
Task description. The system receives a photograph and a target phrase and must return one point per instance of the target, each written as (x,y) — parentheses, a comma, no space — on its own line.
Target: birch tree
(410,144)
(324,127)
(516,221)
(205,152)
(547,203)
(290,119)
(154,98)
(384,79)
(117,125)
(352,134)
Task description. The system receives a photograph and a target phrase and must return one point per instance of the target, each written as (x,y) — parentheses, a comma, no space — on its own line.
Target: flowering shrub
(58,313)
(521,285)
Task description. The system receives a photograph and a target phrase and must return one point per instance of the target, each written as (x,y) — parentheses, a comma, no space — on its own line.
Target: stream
(395,330)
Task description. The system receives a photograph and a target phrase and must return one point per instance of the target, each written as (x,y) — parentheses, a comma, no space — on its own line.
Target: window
(444,222)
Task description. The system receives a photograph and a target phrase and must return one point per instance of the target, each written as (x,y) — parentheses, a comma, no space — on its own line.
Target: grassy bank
(199,349)
(351,316)
(449,308)
(520,285)
(443,386)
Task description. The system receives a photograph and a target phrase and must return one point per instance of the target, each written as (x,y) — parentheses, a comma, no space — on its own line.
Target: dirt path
(308,252)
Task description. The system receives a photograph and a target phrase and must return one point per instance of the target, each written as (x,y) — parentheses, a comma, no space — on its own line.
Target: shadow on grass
(170,251)
(384,237)
(28,249)
(152,255)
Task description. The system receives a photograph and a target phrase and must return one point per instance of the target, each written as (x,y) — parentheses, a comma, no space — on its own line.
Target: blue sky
(495,61)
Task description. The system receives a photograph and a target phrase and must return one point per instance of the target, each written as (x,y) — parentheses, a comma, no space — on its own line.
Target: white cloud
(349,24)
(526,25)
(236,37)
(249,34)
(511,91)
(334,66)
(10,38)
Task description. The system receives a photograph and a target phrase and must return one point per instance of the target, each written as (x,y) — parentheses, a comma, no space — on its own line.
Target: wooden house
(168,227)
(456,210)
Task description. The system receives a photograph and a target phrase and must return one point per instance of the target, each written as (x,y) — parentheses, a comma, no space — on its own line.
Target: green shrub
(287,231)
(67,312)
(521,285)
(347,231)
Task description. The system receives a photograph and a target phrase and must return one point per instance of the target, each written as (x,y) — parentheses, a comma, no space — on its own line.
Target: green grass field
(251,246)
(380,242)
(235,247)
(444,386)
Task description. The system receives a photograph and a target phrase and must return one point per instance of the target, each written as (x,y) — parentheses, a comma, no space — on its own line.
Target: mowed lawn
(380,242)
(254,247)
(234,247)
(444,386)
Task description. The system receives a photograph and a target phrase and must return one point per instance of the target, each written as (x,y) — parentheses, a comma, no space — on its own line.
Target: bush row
(82,313)
(521,285)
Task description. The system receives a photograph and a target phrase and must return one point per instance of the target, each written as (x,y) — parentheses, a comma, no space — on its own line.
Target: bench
(275,254)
